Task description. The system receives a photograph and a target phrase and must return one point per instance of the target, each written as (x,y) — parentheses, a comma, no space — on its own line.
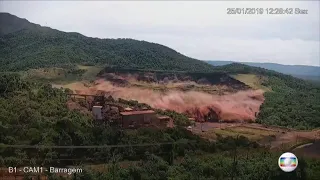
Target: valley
(235,99)
(132,109)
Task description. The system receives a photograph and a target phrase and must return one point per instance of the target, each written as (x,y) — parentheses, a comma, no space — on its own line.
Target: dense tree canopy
(45,47)
(208,167)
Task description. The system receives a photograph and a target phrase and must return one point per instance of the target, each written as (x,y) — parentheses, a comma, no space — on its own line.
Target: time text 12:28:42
(262,11)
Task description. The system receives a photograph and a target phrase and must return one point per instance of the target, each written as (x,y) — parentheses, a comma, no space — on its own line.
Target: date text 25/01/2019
(261,11)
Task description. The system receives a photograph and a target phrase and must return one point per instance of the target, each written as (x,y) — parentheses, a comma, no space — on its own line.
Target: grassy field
(251,80)
(90,71)
(273,138)
(61,75)
(250,133)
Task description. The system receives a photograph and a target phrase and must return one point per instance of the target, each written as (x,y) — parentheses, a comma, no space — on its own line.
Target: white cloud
(201,30)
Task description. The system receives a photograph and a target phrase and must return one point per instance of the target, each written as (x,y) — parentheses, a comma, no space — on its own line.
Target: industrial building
(166,121)
(126,117)
(135,119)
(97,112)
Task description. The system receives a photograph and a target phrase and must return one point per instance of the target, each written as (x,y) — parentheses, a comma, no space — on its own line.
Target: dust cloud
(240,106)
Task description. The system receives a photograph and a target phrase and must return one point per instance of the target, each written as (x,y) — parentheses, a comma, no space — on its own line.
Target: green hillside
(39,47)
(56,55)
(10,23)
(292,102)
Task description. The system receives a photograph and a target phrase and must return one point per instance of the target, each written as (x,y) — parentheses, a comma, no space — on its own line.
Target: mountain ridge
(11,23)
(26,46)
(302,70)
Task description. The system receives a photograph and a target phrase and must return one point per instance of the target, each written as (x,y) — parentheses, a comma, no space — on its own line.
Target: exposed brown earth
(310,150)
(275,138)
(239,106)
(217,78)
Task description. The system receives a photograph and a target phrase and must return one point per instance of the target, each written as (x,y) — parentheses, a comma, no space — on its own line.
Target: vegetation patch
(252,80)
(90,72)
(252,131)
(43,47)
(62,75)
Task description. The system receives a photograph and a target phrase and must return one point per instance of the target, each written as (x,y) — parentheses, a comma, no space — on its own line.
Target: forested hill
(299,71)
(10,23)
(292,102)
(26,45)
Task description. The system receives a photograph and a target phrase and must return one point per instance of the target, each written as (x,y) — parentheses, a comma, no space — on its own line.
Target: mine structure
(134,119)
(96,99)
(105,110)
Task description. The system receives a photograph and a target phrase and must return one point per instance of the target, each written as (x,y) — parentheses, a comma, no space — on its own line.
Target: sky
(198,29)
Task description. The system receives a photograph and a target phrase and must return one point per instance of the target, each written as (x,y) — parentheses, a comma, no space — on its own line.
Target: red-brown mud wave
(240,106)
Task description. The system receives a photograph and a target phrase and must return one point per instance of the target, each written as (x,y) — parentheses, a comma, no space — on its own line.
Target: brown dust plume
(240,106)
